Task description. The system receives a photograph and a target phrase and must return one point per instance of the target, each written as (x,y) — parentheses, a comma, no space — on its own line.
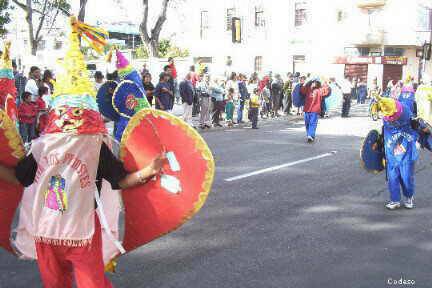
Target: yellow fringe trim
(201,146)
(10,132)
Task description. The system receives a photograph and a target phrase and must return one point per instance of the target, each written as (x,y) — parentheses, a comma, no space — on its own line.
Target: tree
(4,16)
(82,11)
(151,38)
(47,12)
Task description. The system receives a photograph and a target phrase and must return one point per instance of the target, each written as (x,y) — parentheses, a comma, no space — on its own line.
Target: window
(229,15)
(204,24)
(58,45)
(357,51)
(391,51)
(259,17)
(258,63)
(300,13)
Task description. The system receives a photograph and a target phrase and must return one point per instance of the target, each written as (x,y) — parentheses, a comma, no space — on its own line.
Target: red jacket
(27,113)
(313,98)
(173,70)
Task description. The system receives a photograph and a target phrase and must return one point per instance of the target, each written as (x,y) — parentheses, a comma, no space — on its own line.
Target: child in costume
(65,167)
(314,94)
(400,151)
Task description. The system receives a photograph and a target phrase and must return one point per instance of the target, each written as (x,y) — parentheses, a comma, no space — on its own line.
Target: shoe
(310,139)
(393,205)
(207,126)
(409,203)
(255,128)
(202,127)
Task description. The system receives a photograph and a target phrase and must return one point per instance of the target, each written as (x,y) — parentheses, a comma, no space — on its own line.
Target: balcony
(371,4)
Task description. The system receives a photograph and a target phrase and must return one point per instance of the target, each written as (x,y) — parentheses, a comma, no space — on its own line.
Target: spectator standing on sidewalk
(203,90)
(20,81)
(148,88)
(27,112)
(361,92)
(276,94)
(287,91)
(194,79)
(99,80)
(254,108)
(163,93)
(232,84)
(187,94)
(173,71)
(217,94)
(346,102)
(48,81)
(34,82)
(244,96)
(172,87)
(229,107)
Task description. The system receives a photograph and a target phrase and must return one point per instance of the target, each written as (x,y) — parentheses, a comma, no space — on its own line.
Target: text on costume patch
(69,159)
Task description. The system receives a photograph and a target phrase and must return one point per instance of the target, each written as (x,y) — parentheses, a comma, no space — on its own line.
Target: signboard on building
(395,60)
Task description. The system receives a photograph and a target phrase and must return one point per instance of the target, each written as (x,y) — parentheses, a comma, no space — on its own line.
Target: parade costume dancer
(423,97)
(64,171)
(398,147)
(8,92)
(313,94)
(128,96)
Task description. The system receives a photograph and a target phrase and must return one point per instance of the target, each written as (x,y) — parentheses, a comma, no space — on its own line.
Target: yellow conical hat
(74,82)
(387,106)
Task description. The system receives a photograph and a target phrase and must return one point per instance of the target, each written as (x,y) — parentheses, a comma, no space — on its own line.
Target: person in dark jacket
(277,94)
(244,95)
(187,96)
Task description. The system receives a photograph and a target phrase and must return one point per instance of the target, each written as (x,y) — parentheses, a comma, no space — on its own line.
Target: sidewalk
(178,111)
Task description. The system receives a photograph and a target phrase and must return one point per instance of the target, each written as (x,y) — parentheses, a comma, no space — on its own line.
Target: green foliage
(140,52)
(165,49)
(4,16)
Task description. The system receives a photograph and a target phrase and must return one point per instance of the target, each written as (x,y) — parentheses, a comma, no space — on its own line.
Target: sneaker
(409,203)
(393,205)
(310,139)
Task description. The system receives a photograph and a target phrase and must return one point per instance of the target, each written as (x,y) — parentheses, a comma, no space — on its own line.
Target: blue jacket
(400,139)
(186,92)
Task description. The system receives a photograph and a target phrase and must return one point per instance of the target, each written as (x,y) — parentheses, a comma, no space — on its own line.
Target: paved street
(320,222)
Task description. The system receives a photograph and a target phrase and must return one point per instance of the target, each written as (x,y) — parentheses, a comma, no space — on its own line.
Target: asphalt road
(320,223)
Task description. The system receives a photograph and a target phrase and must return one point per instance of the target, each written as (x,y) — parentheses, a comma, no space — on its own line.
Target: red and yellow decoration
(151,210)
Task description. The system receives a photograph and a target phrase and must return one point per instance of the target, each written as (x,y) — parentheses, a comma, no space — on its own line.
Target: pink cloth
(396,115)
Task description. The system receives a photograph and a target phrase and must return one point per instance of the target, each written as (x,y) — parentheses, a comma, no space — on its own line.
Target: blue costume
(407,97)
(401,153)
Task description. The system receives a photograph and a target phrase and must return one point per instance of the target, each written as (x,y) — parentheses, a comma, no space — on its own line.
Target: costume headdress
(129,95)
(8,92)
(74,98)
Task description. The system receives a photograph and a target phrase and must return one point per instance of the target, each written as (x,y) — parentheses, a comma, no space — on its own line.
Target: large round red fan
(11,150)
(158,207)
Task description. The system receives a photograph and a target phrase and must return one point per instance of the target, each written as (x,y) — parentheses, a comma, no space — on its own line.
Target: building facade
(365,39)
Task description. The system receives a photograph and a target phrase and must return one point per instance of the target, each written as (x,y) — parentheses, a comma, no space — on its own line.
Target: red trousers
(58,264)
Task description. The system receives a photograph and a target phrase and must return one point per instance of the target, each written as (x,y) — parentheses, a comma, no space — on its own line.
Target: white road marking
(278,167)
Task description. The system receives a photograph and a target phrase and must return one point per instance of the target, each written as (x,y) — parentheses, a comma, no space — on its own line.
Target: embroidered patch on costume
(399,150)
(55,195)
(131,102)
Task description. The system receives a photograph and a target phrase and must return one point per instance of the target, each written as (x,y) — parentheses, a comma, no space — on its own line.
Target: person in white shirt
(33,82)
(99,80)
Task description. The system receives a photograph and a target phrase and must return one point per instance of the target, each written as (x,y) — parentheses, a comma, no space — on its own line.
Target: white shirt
(33,88)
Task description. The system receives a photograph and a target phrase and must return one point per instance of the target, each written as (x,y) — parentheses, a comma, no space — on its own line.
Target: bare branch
(41,22)
(160,21)
(82,11)
(143,26)
(25,7)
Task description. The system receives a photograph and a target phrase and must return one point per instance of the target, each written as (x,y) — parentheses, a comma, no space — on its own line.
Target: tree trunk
(29,18)
(151,39)
(82,11)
